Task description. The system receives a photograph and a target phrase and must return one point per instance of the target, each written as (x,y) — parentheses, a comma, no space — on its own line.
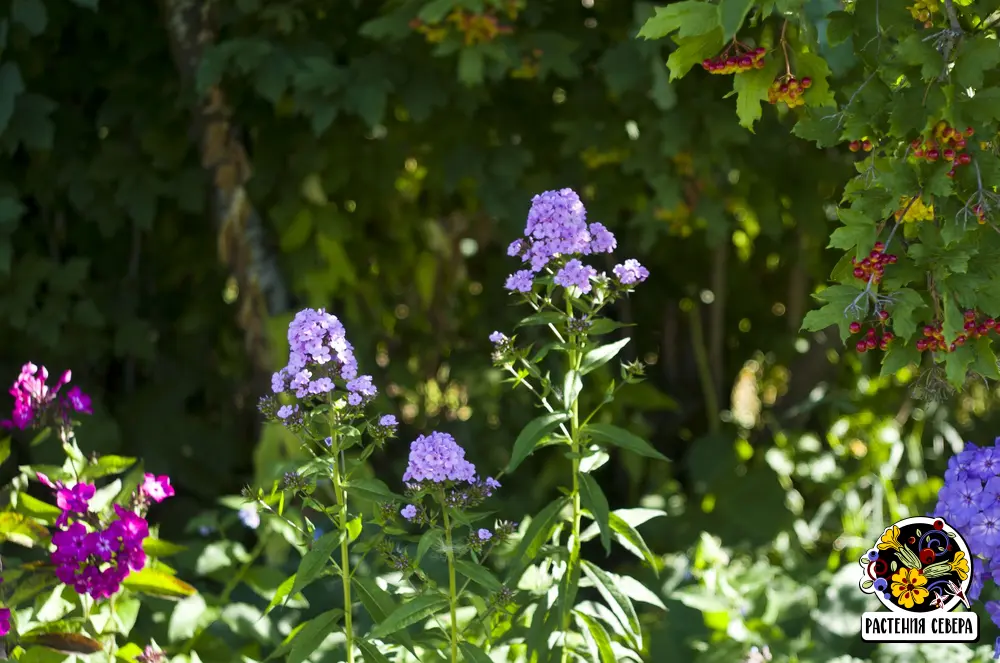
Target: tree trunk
(240,229)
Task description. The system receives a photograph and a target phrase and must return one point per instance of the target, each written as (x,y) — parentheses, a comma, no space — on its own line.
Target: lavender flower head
(409,512)
(576,274)
(630,272)
(437,458)
(319,355)
(556,233)
(557,226)
(969,501)
(484,534)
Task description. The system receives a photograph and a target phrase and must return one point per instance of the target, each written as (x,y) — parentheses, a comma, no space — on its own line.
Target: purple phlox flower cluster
(630,272)
(557,229)
(557,226)
(438,458)
(575,274)
(34,399)
(92,559)
(970,502)
(319,355)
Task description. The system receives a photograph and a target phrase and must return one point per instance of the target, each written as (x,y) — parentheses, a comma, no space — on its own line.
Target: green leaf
(160,548)
(157,583)
(354,529)
(474,654)
(379,604)
(906,306)
(594,500)
(957,365)
(985,362)
(751,91)
(371,652)
(31,14)
(858,233)
(977,54)
(411,612)
(536,535)
(572,386)
(631,540)
(478,574)
(839,27)
(311,636)
(815,67)
(620,604)
(731,16)
(605,326)
(427,541)
(542,318)
(281,593)
(692,51)
(531,435)
(35,508)
(374,490)
(20,529)
(917,51)
(898,357)
(982,108)
(601,355)
(688,19)
(600,637)
(316,560)
(107,466)
(620,437)
(819,127)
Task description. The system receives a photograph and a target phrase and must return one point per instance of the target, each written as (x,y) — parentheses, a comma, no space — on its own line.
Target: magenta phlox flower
(156,488)
(34,399)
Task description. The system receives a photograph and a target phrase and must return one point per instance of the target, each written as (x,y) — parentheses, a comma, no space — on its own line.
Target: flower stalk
(345,560)
(452,593)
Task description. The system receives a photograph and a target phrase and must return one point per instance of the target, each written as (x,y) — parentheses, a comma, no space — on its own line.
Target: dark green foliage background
(109,264)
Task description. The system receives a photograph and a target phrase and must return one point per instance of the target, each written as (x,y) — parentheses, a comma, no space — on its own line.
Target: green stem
(704,370)
(452,594)
(575,357)
(345,561)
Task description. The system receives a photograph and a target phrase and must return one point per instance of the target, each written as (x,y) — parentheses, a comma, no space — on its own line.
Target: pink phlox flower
(157,488)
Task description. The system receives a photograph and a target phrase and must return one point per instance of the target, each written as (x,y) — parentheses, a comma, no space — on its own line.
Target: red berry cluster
(856,145)
(945,142)
(974,328)
(873,265)
(788,89)
(744,59)
(872,340)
